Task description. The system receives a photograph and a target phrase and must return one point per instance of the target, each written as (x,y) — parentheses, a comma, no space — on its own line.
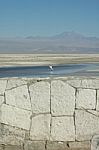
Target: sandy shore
(45,59)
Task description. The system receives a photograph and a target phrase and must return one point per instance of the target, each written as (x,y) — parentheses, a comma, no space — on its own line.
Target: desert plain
(46,59)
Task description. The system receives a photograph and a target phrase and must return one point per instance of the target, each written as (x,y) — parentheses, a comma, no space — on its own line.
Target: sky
(22,18)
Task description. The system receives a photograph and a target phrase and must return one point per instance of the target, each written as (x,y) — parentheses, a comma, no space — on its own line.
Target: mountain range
(66,42)
(65,35)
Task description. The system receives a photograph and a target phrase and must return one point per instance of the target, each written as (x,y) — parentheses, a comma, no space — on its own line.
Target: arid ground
(46,59)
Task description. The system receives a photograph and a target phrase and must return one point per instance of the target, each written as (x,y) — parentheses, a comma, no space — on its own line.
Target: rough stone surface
(62,98)
(34,145)
(14,147)
(86,98)
(18,97)
(35,115)
(57,145)
(95,143)
(68,145)
(95,113)
(84,83)
(87,124)
(2,86)
(11,135)
(62,129)
(86,145)
(75,82)
(1,147)
(14,83)
(40,129)
(15,117)
(40,97)
(1,100)
(97,106)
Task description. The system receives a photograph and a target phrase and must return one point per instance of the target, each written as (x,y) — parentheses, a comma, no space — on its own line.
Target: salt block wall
(48,114)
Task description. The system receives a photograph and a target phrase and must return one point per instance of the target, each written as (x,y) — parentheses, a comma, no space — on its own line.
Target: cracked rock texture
(97,107)
(15,117)
(95,142)
(40,128)
(87,125)
(62,129)
(3,84)
(34,145)
(62,98)
(1,100)
(40,97)
(48,114)
(86,98)
(18,97)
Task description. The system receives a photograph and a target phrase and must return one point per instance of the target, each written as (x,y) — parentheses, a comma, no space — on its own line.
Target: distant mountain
(65,35)
(68,35)
(66,42)
(35,37)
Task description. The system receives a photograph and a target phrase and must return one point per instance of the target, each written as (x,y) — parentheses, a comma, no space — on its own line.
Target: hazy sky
(20,18)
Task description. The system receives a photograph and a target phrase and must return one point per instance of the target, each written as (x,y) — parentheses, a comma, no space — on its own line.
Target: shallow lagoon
(88,69)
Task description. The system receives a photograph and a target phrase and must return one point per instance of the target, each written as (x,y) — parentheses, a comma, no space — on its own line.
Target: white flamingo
(51,67)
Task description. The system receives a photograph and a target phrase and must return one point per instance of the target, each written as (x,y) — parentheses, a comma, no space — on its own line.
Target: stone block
(40,97)
(62,129)
(86,98)
(34,145)
(68,145)
(14,83)
(95,142)
(15,117)
(90,83)
(97,106)
(62,98)
(1,100)
(40,129)
(18,97)
(11,135)
(86,145)
(57,145)
(13,147)
(87,124)
(84,83)
(2,86)
(77,83)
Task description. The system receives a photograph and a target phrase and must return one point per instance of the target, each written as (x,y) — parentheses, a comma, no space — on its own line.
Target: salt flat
(46,59)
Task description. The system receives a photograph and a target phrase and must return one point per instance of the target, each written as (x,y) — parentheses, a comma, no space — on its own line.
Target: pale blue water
(44,71)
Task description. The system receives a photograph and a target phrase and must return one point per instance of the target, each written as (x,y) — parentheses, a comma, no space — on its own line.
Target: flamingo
(51,67)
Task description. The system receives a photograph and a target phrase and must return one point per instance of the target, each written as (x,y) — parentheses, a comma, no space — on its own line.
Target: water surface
(44,71)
